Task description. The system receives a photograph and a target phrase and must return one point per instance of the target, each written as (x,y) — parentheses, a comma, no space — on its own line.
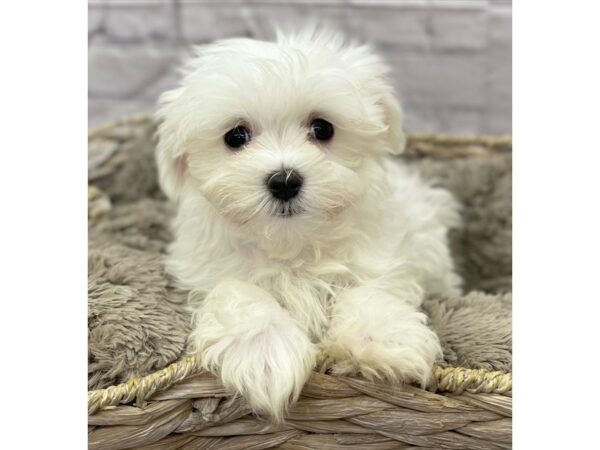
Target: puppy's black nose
(284,185)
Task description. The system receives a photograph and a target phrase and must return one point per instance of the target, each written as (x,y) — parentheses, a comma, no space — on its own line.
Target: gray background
(452,59)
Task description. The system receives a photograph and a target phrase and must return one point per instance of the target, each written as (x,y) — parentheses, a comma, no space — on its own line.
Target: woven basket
(180,407)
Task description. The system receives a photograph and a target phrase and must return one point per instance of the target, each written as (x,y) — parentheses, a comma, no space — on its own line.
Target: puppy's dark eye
(321,130)
(237,137)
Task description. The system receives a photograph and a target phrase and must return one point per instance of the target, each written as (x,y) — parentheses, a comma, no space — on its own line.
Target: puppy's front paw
(268,368)
(407,356)
(390,340)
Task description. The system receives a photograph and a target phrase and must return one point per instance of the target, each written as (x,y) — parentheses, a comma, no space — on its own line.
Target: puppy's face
(278,136)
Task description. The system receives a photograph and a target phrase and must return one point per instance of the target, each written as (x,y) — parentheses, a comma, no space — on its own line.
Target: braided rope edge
(449,379)
(141,388)
(459,379)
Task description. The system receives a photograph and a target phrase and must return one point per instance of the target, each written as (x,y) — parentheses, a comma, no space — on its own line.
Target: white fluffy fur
(347,273)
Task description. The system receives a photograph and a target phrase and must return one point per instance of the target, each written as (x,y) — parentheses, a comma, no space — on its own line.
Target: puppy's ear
(376,78)
(393,119)
(170,158)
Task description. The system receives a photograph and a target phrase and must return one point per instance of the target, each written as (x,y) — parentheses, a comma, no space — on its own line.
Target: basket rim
(453,380)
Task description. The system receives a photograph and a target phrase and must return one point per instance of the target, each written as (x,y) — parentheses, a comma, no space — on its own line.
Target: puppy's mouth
(287,209)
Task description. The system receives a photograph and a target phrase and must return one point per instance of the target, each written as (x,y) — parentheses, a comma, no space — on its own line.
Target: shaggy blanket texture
(137,319)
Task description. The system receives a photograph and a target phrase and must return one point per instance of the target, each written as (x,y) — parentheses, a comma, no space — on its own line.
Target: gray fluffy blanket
(137,319)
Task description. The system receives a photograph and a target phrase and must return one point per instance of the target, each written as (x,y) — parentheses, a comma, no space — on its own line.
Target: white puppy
(301,239)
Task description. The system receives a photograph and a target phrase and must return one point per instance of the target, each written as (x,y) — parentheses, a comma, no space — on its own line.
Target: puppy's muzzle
(284,185)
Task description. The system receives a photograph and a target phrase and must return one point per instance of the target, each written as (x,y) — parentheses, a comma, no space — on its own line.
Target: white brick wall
(452,58)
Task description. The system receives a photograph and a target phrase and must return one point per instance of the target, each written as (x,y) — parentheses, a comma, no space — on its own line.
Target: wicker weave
(179,407)
(192,410)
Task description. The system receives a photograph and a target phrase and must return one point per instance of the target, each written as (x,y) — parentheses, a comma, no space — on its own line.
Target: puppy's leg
(381,335)
(244,335)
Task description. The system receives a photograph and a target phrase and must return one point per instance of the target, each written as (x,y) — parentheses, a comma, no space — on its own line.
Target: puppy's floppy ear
(394,119)
(375,75)
(170,158)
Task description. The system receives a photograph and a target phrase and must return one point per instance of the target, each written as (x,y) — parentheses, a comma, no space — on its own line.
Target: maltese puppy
(303,242)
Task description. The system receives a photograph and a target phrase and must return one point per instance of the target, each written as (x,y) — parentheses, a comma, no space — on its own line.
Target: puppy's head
(278,136)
